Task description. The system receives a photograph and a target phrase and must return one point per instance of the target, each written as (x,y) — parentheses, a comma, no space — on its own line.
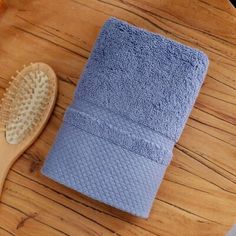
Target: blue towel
(129,109)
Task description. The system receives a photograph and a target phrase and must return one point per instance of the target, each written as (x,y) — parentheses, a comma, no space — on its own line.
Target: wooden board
(198,194)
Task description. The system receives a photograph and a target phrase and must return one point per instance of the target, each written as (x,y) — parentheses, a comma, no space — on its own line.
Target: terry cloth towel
(129,110)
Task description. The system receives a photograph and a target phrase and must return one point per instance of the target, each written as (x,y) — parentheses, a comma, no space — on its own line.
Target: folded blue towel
(129,109)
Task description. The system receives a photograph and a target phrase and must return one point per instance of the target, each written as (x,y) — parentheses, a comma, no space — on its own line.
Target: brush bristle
(25,102)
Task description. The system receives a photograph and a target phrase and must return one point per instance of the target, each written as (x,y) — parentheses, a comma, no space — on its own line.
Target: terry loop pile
(129,110)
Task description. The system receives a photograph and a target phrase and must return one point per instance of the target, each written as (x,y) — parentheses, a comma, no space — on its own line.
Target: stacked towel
(129,110)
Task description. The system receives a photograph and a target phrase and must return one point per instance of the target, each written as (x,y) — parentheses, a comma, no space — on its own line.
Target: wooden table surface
(198,194)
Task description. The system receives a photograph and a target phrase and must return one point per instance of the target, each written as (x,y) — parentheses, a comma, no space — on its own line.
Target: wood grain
(198,194)
(3,6)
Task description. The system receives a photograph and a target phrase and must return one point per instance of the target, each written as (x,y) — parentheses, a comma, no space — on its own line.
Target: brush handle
(4,168)
(8,155)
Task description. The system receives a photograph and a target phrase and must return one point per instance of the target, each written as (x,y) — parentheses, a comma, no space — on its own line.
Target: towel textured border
(129,109)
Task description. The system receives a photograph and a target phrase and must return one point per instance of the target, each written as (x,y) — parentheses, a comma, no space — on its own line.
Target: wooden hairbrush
(25,109)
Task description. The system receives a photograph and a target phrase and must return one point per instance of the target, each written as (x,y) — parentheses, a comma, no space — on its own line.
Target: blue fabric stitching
(123,116)
(118,137)
(161,163)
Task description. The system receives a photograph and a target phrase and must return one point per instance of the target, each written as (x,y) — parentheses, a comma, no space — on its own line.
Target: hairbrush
(25,109)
